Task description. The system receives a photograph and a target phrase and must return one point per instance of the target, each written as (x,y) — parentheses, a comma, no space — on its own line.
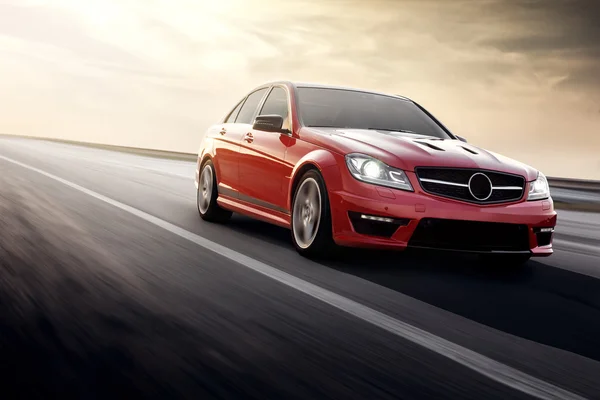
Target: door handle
(223,131)
(249,138)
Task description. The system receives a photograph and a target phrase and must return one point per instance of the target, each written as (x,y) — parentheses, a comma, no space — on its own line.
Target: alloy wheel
(307,213)
(206,188)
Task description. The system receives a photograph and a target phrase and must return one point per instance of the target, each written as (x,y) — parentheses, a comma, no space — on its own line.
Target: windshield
(338,108)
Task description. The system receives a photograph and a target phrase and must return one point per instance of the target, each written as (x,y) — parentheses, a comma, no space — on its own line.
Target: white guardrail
(575,190)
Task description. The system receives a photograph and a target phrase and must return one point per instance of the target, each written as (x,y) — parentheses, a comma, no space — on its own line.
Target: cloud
(55,27)
(561,34)
(155,73)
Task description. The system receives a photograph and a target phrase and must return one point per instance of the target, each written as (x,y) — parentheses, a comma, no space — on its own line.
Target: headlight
(539,188)
(371,170)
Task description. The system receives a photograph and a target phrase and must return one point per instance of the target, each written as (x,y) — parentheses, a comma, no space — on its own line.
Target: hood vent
(429,145)
(469,150)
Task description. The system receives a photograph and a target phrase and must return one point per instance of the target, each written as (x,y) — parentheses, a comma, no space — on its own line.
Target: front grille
(448,234)
(471,185)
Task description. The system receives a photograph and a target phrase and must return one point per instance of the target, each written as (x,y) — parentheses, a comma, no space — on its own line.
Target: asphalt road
(111,285)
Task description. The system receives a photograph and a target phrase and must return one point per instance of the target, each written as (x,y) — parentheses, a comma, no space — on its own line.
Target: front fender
(325,161)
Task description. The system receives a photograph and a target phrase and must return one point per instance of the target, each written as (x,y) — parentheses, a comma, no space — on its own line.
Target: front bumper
(424,220)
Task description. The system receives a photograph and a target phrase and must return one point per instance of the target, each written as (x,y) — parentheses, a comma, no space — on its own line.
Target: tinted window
(277,103)
(359,110)
(249,107)
(234,113)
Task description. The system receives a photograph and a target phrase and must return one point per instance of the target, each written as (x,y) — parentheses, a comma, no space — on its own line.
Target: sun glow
(134,69)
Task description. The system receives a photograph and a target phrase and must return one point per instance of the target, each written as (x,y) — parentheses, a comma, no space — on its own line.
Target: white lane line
(488,367)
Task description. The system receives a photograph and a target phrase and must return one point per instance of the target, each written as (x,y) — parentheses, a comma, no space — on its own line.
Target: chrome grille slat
(444,182)
(507,188)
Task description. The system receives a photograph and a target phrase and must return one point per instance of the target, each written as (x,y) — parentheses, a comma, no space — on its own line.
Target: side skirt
(254,208)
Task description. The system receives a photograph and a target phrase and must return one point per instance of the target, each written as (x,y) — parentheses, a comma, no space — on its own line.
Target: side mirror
(269,123)
(462,139)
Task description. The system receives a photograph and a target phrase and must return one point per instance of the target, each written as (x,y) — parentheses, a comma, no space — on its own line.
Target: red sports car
(347,167)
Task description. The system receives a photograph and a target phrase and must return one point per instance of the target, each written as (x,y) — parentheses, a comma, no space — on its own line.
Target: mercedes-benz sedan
(347,167)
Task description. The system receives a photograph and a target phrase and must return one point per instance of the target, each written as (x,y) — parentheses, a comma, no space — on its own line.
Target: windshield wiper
(394,130)
(370,129)
(326,126)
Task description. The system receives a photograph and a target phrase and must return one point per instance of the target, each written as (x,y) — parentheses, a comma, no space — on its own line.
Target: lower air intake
(544,238)
(372,227)
(447,234)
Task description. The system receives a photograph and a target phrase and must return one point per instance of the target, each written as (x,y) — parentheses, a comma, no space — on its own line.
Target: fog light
(545,230)
(374,218)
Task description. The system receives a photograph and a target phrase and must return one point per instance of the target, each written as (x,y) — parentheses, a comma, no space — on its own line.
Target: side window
(249,107)
(231,117)
(276,103)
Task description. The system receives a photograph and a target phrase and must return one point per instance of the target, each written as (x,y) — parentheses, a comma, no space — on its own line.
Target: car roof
(326,86)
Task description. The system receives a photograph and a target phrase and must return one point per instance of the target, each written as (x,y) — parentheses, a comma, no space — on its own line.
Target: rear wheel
(206,197)
(311,217)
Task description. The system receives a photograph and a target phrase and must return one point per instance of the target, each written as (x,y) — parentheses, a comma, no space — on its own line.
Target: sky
(518,77)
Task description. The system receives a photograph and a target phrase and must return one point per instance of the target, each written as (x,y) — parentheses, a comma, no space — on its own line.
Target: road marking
(488,367)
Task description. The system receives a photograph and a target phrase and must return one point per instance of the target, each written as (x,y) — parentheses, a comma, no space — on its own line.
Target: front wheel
(311,217)
(206,197)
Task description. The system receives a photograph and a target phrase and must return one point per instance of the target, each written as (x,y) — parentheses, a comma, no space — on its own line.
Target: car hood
(408,151)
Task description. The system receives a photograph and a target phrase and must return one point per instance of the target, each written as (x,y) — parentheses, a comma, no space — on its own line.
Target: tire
(206,196)
(504,261)
(311,204)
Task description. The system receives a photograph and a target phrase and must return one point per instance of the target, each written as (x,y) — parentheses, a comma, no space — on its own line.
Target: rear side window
(249,107)
(231,118)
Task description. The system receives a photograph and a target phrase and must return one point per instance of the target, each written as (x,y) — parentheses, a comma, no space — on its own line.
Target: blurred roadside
(575,194)
(567,193)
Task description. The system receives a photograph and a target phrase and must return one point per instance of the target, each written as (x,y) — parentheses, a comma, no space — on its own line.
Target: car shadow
(549,305)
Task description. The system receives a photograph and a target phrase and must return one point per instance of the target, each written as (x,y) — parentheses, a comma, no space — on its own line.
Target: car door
(226,149)
(230,135)
(262,156)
